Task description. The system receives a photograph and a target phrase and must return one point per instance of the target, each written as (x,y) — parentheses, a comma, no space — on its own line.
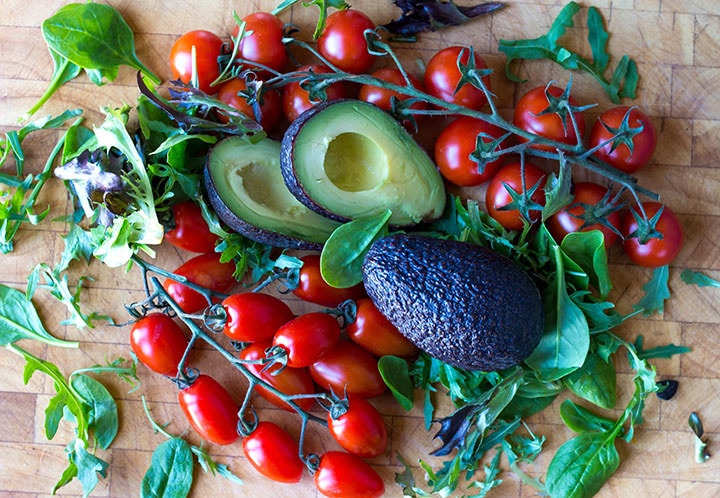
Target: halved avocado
(246,189)
(346,158)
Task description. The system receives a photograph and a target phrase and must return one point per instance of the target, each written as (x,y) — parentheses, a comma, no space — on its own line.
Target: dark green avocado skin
(459,302)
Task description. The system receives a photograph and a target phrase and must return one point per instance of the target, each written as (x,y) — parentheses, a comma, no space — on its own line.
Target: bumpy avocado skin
(459,302)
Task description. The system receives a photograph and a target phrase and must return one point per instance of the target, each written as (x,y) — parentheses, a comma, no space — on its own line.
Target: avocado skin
(459,302)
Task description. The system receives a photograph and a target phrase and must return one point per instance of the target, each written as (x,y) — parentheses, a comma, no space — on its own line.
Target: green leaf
(587,249)
(595,381)
(101,408)
(598,38)
(698,278)
(343,253)
(78,245)
(656,292)
(88,465)
(19,320)
(581,419)
(394,372)
(170,471)
(582,465)
(664,351)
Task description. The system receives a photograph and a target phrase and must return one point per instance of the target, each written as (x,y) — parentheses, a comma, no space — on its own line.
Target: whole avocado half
(459,302)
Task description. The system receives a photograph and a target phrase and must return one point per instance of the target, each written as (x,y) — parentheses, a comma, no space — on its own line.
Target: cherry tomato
(342,41)
(270,103)
(211,410)
(254,316)
(656,251)
(442,77)
(343,475)
(159,343)
(456,143)
(360,430)
(630,153)
(208,47)
(568,219)
(264,45)
(274,453)
(528,116)
(382,97)
(510,176)
(313,288)
(307,338)
(348,368)
(191,231)
(205,270)
(290,381)
(374,333)
(296,100)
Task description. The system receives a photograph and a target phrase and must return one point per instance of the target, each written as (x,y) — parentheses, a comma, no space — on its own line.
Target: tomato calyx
(646,229)
(470,74)
(563,108)
(522,201)
(623,134)
(599,214)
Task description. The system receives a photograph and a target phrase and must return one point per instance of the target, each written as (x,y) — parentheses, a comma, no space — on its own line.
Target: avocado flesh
(348,159)
(247,191)
(459,302)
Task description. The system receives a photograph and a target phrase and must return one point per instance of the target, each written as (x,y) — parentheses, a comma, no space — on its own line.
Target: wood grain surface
(676,44)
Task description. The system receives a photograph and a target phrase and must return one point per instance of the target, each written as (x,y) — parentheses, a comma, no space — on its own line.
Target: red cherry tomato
(630,153)
(382,97)
(159,343)
(211,410)
(656,251)
(296,100)
(264,45)
(360,430)
(208,47)
(374,333)
(343,475)
(342,41)
(205,270)
(307,338)
(254,316)
(191,231)
(569,219)
(290,381)
(497,196)
(456,143)
(528,116)
(274,453)
(270,108)
(313,288)
(348,368)
(442,77)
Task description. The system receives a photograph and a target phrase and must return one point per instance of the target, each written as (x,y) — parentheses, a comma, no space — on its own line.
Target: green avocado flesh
(246,189)
(348,159)
(459,302)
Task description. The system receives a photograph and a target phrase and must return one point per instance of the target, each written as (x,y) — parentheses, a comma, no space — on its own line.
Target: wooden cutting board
(676,45)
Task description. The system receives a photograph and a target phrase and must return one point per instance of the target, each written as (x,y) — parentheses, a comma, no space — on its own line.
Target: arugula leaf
(322,5)
(665,351)
(698,278)
(623,82)
(100,407)
(656,292)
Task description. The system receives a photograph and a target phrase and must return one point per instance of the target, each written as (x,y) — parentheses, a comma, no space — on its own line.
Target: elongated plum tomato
(342,41)
(191,231)
(307,338)
(207,48)
(290,381)
(374,333)
(205,270)
(273,452)
(296,100)
(254,316)
(442,76)
(313,288)
(455,145)
(382,97)
(211,410)
(655,251)
(529,115)
(348,368)
(628,152)
(497,196)
(159,343)
(570,218)
(343,475)
(263,44)
(270,103)
(360,430)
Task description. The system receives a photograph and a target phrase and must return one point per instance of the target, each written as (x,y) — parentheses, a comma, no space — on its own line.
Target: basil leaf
(170,471)
(101,409)
(19,320)
(343,253)
(394,372)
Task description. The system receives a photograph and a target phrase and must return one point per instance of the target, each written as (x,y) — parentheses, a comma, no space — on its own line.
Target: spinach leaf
(595,381)
(63,71)
(580,419)
(587,249)
(170,471)
(394,372)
